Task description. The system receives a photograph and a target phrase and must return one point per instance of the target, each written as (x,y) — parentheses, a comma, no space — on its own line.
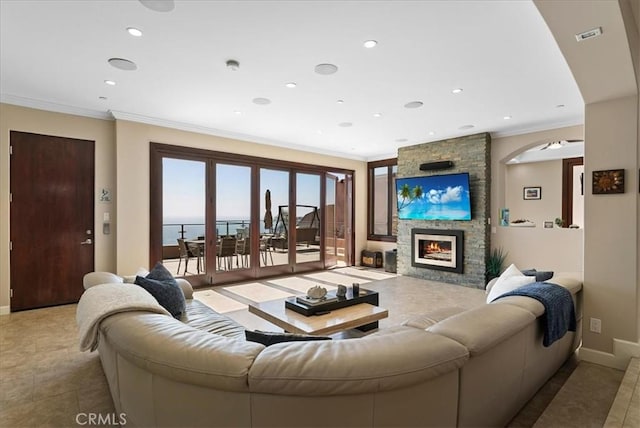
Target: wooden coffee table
(337,320)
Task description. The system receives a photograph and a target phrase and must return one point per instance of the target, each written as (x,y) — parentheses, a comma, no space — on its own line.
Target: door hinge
(10,150)
(11,293)
(10,197)
(10,245)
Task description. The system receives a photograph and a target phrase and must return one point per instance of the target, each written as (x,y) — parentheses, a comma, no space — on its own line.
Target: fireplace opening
(438,249)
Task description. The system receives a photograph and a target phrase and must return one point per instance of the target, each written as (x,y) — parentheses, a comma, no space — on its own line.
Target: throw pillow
(510,279)
(163,286)
(541,276)
(269,338)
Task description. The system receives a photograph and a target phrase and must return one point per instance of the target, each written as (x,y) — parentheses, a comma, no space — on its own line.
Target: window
(383,211)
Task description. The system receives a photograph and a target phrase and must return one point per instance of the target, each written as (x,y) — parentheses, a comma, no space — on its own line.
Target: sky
(184,190)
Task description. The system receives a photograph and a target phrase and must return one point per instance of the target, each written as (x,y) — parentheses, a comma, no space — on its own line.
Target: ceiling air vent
(589,34)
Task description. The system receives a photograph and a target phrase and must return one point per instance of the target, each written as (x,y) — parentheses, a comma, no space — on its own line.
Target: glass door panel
(333,221)
(274,206)
(233,217)
(183,216)
(307,224)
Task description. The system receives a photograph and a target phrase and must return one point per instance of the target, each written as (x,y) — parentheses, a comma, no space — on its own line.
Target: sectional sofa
(444,368)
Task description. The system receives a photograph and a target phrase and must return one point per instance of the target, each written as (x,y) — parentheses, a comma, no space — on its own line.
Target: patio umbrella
(268,217)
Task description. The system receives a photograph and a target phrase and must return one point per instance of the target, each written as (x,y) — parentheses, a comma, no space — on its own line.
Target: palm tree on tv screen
(408,195)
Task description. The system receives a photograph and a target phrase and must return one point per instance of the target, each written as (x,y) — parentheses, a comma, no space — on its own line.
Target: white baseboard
(5,310)
(619,359)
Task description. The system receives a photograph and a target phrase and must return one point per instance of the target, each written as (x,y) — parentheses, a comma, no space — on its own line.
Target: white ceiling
(54,56)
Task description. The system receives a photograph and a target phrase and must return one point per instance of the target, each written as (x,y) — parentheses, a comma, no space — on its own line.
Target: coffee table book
(365,296)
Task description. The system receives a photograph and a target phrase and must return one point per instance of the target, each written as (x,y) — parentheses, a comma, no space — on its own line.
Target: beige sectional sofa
(445,368)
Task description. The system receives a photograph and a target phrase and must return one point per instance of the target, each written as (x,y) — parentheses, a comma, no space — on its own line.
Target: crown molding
(54,107)
(199,129)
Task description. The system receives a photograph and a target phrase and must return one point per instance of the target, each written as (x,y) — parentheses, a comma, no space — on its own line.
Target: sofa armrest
(95,278)
(187,289)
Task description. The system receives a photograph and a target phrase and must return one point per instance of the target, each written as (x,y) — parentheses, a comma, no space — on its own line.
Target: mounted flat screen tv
(435,197)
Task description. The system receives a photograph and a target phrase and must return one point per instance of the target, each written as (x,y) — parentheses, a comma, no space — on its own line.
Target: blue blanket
(559,314)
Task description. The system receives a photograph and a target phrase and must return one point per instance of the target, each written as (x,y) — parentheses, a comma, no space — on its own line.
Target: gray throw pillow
(269,338)
(541,276)
(163,286)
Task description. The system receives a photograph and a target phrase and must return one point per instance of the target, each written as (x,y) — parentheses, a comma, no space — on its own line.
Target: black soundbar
(431,166)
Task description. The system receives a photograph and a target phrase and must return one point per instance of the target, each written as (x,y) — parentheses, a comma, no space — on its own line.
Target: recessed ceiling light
(134,32)
(466,127)
(345,124)
(377,114)
(457,90)
(560,106)
(370,44)
(262,101)
(110,82)
(414,104)
(122,64)
(238,112)
(233,65)
(340,101)
(102,98)
(319,132)
(432,133)
(326,69)
(401,140)
(159,5)
(507,117)
(290,85)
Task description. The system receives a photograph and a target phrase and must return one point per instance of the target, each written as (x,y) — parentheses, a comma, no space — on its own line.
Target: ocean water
(194,227)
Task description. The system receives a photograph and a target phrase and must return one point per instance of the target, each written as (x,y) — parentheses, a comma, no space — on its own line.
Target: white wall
(546,175)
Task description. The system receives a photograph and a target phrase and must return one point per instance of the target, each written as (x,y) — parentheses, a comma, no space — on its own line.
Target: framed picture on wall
(608,181)
(529,193)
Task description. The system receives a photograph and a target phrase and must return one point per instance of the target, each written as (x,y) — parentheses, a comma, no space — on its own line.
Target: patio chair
(226,252)
(185,254)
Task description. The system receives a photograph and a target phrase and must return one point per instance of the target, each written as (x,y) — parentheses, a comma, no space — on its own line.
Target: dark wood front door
(52,219)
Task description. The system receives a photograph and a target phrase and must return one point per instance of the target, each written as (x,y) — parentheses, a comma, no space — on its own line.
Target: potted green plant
(559,222)
(494,263)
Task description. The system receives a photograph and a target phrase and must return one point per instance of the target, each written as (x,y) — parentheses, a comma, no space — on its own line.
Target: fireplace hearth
(438,249)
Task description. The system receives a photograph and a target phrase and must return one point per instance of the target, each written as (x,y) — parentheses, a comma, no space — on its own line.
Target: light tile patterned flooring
(45,381)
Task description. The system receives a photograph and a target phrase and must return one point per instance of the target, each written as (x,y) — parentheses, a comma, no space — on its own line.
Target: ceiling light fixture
(261,101)
(233,65)
(560,106)
(377,114)
(110,82)
(238,112)
(555,145)
(457,90)
(291,85)
(463,127)
(401,140)
(414,104)
(370,44)
(507,117)
(326,69)
(122,64)
(159,5)
(102,98)
(340,101)
(432,133)
(345,124)
(134,31)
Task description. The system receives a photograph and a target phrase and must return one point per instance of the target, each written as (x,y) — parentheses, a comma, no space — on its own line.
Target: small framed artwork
(548,225)
(529,193)
(608,182)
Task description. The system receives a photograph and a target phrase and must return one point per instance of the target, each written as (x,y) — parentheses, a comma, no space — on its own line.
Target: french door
(217,217)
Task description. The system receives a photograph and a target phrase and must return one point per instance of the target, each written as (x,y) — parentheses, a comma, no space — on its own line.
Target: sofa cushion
(428,319)
(200,316)
(271,338)
(510,279)
(161,285)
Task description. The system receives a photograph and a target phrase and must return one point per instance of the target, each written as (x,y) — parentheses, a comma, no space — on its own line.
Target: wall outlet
(595,325)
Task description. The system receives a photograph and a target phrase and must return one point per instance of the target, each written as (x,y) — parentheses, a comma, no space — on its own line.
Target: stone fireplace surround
(470,154)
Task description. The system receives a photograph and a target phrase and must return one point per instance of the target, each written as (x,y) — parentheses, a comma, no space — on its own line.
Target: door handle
(87,241)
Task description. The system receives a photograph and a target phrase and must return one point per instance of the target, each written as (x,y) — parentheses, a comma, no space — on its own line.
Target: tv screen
(435,197)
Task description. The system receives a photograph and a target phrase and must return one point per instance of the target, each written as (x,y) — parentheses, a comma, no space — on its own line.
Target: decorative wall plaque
(608,181)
